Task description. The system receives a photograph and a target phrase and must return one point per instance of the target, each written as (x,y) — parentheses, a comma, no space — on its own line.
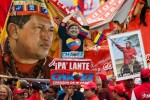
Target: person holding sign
(72,36)
(141,21)
(30,31)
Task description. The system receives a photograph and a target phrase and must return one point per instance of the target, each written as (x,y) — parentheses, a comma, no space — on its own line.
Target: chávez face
(35,38)
(73,31)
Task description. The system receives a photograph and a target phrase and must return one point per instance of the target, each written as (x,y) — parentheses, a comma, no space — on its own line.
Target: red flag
(4,8)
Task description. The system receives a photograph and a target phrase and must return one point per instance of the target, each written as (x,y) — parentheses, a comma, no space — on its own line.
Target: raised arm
(85,23)
(69,16)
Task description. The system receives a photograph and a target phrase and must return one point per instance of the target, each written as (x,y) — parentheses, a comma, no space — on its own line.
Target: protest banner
(72,64)
(71,77)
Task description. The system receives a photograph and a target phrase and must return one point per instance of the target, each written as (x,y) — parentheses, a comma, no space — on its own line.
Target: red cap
(17,91)
(141,1)
(145,73)
(90,85)
(102,76)
(119,88)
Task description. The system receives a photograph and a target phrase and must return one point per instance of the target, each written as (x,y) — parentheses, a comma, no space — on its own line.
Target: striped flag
(79,4)
(99,38)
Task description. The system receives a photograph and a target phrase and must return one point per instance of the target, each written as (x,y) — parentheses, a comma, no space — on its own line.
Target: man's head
(73,30)
(98,82)
(89,89)
(68,89)
(18,94)
(12,82)
(30,34)
(128,44)
(129,83)
(118,91)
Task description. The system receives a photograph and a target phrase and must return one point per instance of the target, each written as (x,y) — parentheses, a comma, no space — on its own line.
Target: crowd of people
(21,59)
(101,89)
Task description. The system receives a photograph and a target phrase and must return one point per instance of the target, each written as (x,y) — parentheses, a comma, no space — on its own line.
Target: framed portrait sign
(127,54)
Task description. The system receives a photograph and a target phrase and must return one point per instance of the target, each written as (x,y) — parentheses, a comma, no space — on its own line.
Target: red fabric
(4,8)
(128,53)
(34,97)
(94,98)
(142,92)
(134,25)
(123,99)
(145,73)
(128,92)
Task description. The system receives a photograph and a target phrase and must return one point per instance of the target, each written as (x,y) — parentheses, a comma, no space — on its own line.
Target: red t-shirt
(128,53)
(142,92)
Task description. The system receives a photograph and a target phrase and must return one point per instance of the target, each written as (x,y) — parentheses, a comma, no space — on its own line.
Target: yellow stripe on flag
(97,37)
(75,2)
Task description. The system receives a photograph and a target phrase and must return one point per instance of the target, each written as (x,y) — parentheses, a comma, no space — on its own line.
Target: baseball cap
(44,88)
(17,91)
(90,85)
(119,88)
(145,73)
(36,86)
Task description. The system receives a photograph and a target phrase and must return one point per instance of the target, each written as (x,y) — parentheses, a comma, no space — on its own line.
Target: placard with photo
(127,54)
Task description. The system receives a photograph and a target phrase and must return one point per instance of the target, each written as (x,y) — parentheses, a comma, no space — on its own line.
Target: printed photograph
(127,54)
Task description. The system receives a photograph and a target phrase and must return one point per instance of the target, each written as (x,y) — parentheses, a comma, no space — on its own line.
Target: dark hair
(116,22)
(74,24)
(54,88)
(143,13)
(18,20)
(9,81)
(128,42)
(144,80)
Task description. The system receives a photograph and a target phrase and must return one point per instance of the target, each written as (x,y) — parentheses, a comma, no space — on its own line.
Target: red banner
(63,10)
(101,61)
(104,12)
(71,77)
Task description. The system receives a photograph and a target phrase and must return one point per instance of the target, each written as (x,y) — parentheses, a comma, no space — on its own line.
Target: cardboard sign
(104,12)
(72,64)
(71,77)
(127,54)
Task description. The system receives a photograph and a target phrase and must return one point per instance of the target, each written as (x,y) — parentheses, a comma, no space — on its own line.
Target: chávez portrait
(127,54)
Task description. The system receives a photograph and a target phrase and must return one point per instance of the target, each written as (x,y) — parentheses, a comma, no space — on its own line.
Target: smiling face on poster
(127,54)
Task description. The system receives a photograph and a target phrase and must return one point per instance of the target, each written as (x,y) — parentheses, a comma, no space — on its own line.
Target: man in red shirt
(89,91)
(142,92)
(129,54)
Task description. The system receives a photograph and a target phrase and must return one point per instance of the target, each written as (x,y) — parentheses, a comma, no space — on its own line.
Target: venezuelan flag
(99,38)
(79,4)
(84,31)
